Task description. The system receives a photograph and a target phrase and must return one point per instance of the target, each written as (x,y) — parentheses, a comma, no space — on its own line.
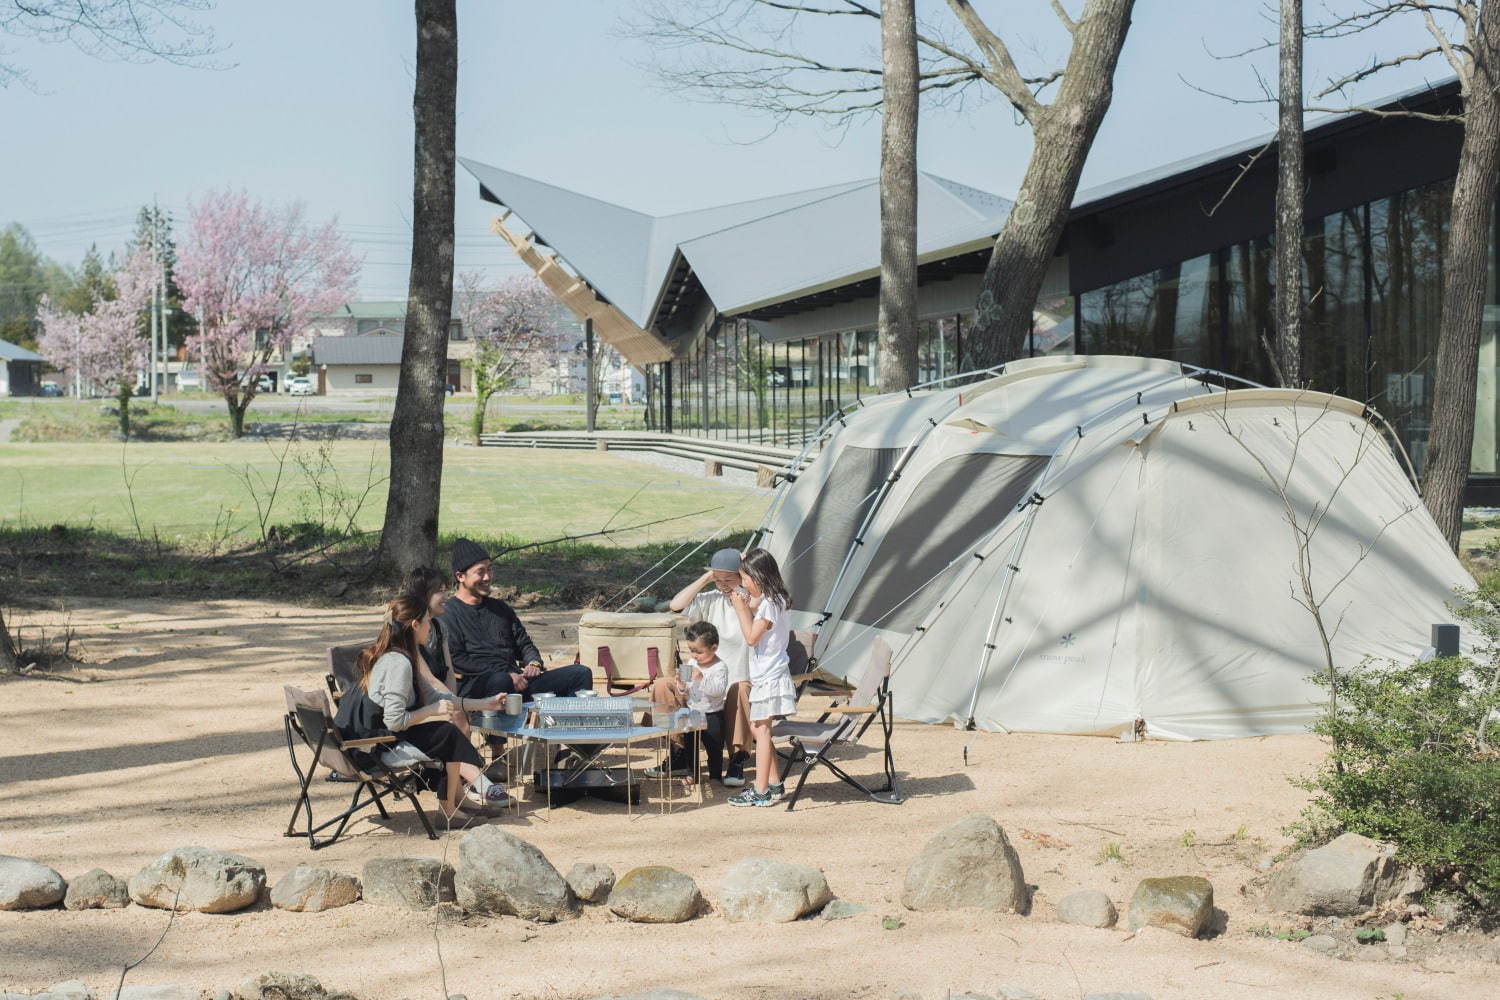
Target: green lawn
(185,493)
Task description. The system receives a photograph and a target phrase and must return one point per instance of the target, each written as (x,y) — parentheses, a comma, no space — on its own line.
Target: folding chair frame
(383,781)
(850,732)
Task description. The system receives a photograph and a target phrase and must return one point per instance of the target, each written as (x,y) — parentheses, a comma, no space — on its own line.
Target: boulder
(157,993)
(28,885)
(1016,993)
(968,865)
(655,994)
(1320,942)
(501,874)
(1116,996)
(842,909)
(591,883)
(1183,903)
(772,891)
(407,883)
(310,889)
(1088,908)
(72,989)
(1346,876)
(279,986)
(655,894)
(96,889)
(196,878)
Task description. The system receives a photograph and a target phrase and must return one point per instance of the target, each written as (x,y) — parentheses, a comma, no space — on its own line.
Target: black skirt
(441,741)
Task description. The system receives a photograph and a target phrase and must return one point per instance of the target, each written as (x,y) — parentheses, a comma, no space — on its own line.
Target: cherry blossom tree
(514,332)
(256,275)
(102,348)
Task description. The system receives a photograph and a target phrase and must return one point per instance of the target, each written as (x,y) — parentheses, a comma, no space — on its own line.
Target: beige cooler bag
(633,641)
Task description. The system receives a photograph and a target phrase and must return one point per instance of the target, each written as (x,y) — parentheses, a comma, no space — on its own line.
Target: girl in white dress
(765,625)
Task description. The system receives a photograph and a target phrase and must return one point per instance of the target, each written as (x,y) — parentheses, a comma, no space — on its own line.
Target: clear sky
(313,102)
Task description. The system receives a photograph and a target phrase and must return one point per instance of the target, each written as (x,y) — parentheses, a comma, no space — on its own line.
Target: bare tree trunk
(1289,195)
(898,195)
(1064,131)
(125,412)
(8,651)
(409,536)
(1445,471)
(236,417)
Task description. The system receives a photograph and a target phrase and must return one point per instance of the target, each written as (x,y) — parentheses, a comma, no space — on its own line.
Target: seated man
(491,651)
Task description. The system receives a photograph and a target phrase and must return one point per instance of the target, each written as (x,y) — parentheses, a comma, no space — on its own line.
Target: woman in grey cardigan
(390,680)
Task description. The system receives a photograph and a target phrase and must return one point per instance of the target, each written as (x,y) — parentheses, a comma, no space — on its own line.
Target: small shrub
(1111,852)
(1189,838)
(1406,766)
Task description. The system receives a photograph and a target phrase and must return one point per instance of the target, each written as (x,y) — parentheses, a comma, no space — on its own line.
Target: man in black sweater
(491,651)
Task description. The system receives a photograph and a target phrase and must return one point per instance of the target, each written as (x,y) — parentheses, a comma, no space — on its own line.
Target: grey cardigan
(391,688)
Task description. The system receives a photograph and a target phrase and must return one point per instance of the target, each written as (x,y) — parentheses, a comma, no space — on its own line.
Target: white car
(299,387)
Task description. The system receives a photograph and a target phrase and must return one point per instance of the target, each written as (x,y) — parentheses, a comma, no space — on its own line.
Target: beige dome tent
(1081,544)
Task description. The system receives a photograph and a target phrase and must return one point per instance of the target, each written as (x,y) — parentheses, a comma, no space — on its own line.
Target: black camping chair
(814,744)
(377,766)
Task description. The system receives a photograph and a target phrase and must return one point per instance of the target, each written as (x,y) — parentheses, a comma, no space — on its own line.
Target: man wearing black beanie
(491,651)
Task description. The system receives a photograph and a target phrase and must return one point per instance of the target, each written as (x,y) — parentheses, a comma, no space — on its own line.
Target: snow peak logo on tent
(1066,641)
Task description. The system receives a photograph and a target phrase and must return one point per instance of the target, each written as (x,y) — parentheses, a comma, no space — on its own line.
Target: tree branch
(1002,71)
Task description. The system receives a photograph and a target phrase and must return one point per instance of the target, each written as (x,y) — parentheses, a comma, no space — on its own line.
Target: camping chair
(343,668)
(814,743)
(378,765)
(612,683)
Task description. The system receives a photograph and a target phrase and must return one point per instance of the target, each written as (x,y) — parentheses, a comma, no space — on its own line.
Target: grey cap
(725,561)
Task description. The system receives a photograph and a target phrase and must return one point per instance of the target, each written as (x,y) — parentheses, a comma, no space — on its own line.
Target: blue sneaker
(750,797)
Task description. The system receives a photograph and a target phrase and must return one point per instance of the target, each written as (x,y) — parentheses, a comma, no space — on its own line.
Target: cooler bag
(633,641)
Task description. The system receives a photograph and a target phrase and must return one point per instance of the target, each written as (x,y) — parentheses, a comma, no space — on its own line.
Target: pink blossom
(256,275)
(103,347)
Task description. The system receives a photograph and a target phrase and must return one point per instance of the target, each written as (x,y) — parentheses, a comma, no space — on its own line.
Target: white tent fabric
(1137,564)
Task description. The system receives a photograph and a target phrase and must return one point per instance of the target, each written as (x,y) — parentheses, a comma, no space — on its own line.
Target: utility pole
(588,375)
(155,257)
(166,310)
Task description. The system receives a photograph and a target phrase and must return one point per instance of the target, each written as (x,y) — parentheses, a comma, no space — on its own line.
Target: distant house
(20,371)
(369,363)
(374,319)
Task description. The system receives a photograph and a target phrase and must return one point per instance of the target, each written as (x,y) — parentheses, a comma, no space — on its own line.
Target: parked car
(50,389)
(298,386)
(188,380)
(266,383)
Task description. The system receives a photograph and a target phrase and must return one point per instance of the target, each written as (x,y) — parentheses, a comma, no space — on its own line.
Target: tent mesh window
(827,532)
(952,508)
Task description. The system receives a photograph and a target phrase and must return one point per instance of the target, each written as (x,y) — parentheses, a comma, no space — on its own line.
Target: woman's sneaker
(750,797)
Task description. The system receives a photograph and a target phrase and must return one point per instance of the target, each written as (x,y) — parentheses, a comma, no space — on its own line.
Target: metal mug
(513,704)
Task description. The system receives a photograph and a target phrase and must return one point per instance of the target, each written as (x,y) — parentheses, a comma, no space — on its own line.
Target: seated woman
(435,665)
(389,679)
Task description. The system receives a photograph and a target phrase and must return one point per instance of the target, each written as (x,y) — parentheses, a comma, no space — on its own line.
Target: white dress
(772,693)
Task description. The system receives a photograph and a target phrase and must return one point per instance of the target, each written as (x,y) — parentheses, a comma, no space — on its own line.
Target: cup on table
(513,704)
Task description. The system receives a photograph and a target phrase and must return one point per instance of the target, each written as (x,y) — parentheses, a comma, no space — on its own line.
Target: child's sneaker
(734,777)
(750,797)
(776,792)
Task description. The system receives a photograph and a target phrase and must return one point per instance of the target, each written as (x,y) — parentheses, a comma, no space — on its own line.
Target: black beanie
(466,554)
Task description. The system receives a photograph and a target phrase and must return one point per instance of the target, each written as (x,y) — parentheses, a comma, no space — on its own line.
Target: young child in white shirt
(703,688)
(773,696)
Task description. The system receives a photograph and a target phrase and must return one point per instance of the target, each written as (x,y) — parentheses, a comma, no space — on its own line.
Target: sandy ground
(176,739)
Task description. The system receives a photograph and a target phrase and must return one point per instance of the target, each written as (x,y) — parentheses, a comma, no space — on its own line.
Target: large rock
(968,865)
(504,875)
(310,889)
(656,994)
(96,889)
(591,883)
(1088,908)
(407,883)
(27,885)
(1183,903)
(156,993)
(1342,878)
(72,989)
(772,891)
(656,894)
(279,986)
(209,881)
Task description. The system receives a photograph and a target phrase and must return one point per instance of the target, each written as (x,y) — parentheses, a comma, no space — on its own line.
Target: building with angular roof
(755,319)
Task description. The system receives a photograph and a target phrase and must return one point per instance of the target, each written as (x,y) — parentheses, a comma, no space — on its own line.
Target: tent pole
(1012,569)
